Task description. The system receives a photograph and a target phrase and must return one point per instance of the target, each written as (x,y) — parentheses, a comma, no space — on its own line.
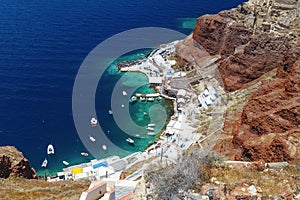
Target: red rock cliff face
(13,163)
(215,34)
(260,56)
(269,127)
(258,53)
(250,41)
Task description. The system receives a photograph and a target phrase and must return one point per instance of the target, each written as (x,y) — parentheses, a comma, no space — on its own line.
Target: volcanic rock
(243,45)
(250,39)
(14,164)
(270,123)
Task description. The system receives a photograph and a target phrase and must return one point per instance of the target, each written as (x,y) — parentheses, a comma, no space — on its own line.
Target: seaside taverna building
(208,97)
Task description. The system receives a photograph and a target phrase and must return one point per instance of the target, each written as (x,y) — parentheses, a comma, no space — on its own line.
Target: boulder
(14,164)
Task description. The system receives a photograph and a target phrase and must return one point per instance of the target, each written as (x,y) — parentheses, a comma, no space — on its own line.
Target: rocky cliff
(14,164)
(250,41)
(269,127)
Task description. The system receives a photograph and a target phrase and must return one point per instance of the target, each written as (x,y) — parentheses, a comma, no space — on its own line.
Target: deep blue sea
(42,45)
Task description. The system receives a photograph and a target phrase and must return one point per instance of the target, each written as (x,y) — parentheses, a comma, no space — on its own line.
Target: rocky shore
(14,164)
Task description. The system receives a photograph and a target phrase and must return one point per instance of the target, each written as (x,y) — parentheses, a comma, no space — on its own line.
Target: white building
(208,97)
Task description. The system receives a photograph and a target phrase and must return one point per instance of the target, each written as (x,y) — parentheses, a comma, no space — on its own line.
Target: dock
(147,95)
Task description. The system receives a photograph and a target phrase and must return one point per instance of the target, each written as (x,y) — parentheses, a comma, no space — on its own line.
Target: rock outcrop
(14,164)
(269,127)
(245,44)
(251,39)
(259,56)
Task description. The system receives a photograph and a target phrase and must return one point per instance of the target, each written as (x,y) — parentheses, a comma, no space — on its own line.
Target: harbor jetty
(129,63)
(155,66)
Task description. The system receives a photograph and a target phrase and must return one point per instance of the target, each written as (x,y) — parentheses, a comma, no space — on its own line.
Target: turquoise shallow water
(107,123)
(131,80)
(187,23)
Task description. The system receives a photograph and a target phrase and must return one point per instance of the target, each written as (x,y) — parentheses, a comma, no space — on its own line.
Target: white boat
(45,162)
(84,154)
(150,99)
(150,128)
(151,125)
(129,140)
(133,99)
(110,112)
(50,149)
(145,113)
(151,133)
(92,139)
(65,162)
(124,93)
(104,147)
(94,121)
(142,98)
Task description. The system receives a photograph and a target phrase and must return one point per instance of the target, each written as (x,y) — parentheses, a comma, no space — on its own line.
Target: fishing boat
(45,162)
(130,141)
(151,125)
(150,99)
(92,139)
(133,99)
(151,133)
(66,163)
(104,147)
(150,128)
(84,154)
(94,122)
(50,149)
(110,112)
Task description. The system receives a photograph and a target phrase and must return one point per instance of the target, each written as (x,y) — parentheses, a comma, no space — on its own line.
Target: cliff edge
(14,164)
(247,43)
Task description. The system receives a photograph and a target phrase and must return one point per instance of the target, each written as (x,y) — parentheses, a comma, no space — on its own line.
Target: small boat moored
(84,154)
(151,125)
(94,122)
(133,99)
(110,112)
(45,162)
(129,140)
(104,147)
(92,139)
(151,133)
(65,162)
(50,149)
(150,99)
(124,93)
(150,128)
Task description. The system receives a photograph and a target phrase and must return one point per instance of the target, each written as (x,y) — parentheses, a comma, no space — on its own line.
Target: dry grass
(271,182)
(19,189)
